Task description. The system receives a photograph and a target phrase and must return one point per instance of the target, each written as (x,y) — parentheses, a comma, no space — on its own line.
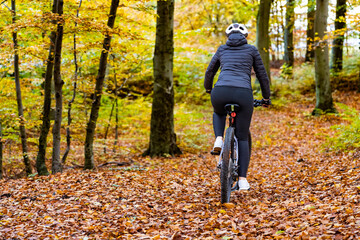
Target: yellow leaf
(229,205)
(222,211)
(348,210)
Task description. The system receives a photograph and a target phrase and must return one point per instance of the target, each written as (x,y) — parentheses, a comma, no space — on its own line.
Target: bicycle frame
(232,115)
(229,155)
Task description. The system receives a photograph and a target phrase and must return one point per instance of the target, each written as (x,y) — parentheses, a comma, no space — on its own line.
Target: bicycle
(228,159)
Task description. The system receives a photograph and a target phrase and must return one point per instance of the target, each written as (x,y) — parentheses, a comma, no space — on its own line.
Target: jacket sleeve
(261,74)
(211,71)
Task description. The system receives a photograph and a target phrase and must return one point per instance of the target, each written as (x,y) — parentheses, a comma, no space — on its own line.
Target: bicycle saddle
(232,107)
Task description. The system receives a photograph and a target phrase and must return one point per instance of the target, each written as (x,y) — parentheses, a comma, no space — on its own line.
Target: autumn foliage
(304,171)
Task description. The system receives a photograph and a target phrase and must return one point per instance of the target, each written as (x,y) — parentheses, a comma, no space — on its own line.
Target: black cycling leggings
(222,95)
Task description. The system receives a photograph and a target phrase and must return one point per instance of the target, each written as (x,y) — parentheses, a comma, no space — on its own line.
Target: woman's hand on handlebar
(265,102)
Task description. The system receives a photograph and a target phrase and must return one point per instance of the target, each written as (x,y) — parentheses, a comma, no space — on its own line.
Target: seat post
(231,110)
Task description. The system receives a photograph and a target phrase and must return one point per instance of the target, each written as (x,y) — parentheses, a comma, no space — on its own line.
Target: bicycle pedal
(236,187)
(215,153)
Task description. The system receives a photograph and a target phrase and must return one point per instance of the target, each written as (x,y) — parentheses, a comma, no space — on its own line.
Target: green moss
(347,136)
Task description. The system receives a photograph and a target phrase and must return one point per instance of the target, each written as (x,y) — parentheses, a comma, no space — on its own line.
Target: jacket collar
(236,39)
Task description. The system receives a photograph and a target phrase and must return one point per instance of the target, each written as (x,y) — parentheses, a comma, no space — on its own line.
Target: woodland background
(325,147)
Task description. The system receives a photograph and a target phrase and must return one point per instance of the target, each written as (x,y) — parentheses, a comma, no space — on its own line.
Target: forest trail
(297,191)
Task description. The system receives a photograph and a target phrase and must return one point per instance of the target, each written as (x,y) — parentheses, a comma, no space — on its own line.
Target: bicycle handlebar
(259,103)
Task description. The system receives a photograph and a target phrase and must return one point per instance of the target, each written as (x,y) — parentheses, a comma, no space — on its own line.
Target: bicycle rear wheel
(227,165)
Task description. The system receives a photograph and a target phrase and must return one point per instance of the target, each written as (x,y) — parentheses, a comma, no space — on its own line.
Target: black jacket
(236,59)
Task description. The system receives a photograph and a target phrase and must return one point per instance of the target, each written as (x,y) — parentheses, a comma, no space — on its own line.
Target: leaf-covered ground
(298,191)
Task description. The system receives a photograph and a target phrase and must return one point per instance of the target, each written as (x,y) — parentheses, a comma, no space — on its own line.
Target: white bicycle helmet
(236,27)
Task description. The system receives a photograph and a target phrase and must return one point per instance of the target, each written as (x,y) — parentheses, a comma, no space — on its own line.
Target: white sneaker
(243,184)
(218,145)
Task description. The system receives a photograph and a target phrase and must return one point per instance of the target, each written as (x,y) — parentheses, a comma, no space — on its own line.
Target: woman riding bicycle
(236,59)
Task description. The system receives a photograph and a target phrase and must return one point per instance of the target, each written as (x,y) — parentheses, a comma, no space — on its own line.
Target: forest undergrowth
(301,188)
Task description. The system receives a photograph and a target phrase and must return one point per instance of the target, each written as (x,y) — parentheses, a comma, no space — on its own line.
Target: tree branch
(3,3)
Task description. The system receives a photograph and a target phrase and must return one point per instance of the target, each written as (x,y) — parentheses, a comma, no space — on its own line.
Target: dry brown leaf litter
(297,192)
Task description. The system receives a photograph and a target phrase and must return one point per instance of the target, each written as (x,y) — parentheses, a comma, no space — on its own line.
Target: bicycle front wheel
(227,165)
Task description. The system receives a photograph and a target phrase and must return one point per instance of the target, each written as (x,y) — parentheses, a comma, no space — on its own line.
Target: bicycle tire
(226,179)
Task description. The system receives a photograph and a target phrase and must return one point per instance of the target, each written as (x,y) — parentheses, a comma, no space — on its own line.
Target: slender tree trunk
(278,33)
(338,43)
(262,33)
(116,114)
(91,125)
(358,90)
(116,125)
(18,96)
(1,152)
(68,134)
(310,31)
(324,100)
(45,127)
(276,37)
(289,36)
(58,82)
(107,127)
(162,135)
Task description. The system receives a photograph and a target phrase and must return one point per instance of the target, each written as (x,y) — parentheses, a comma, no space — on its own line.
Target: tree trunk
(1,152)
(324,101)
(274,14)
(116,113)
(358,90)
(58,82)
(45,127)
(310,31)
(289,37)
(281,23)
(107,127)
(338,43)
(262,33)
(91,125)
(162,135)
(68,134)
(18,96)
